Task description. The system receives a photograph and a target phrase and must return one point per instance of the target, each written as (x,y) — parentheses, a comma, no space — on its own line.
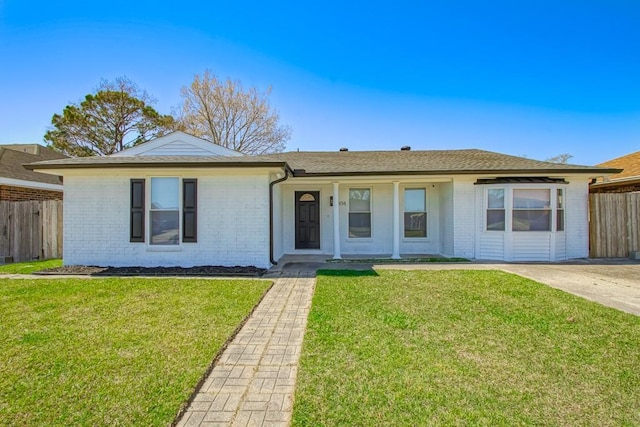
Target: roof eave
(37,166)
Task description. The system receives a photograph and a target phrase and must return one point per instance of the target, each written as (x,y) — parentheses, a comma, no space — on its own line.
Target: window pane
(359,225)
(495,220)
(306,197)
(496,198)
(531,199)
(560,220)
(414,200)
(535,220)
(164,193)
(164,227)
(415,224)
(560,199)
(359,200)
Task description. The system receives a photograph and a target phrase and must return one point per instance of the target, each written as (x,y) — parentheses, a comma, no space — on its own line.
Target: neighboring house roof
(629,163)
(13,158)
(178,144)
(629,175)
(346,163)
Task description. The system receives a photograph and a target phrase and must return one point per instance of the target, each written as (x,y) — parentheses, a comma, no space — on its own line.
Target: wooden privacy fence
(614,224)
(30,230)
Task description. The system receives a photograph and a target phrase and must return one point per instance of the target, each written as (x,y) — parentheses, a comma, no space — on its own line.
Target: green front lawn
(463,348)
(111,351)
(29,267)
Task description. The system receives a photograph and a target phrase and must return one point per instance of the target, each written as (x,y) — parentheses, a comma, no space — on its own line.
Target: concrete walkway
(253,382)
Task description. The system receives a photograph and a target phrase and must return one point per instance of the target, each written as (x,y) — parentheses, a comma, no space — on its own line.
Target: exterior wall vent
(405,148)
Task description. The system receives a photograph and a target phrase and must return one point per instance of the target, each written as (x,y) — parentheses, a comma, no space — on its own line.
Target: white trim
(30,184)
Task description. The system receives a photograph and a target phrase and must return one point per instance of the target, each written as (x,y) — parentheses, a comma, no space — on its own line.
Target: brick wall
(20,194)
(233,222)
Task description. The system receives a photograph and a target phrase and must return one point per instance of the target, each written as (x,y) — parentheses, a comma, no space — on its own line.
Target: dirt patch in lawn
(203,270)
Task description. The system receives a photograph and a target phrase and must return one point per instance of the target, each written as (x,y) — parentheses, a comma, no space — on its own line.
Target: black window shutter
(190,210)
(137,211)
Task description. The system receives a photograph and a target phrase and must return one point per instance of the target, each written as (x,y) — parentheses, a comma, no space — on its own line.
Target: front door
(307,220)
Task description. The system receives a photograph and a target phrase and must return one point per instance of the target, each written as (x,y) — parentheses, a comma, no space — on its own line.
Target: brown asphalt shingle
(13,157)
(346,163)
(630,163)
(432,162)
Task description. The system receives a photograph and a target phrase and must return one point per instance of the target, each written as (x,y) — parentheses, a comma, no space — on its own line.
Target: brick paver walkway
(254,380)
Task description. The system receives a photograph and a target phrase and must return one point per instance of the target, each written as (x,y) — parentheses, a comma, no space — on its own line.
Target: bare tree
(227,115)
(560,158)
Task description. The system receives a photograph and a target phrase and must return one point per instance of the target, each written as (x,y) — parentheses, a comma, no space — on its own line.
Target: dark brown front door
(307,220)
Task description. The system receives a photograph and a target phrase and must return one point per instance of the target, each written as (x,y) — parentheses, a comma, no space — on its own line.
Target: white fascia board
(30,184)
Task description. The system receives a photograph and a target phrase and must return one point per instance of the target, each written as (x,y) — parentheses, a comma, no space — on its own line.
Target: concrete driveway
(611,282)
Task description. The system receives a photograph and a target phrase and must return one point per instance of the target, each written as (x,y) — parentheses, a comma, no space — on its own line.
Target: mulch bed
(204,270)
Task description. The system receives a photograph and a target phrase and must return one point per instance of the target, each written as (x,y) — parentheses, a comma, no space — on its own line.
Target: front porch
(386,219)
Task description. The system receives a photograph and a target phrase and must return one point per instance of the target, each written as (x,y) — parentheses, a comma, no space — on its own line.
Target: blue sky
(524,78)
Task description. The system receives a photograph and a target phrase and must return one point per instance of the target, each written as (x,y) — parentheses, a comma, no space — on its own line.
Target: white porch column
(336,221)
(396,220)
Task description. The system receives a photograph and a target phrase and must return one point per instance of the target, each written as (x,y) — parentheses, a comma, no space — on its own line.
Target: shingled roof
(156,161)
(343,163)
(14,157)
(420,162)
(630,163)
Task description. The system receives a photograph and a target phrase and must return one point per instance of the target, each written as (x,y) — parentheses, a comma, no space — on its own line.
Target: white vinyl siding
(532,214)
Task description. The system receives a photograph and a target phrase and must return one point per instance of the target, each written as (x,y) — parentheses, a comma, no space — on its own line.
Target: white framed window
(531,209)
(415,213)
(359,212)
(524,209)
(170,212)
(164,211)
(559,209)
(495,209)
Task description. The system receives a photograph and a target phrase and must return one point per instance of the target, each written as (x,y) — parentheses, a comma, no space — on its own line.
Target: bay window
(495,209)
(524,209)
(560,209)
(531,210)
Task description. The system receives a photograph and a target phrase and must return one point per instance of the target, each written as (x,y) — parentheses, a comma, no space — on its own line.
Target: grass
(29,267)
(463,348)
(111,351)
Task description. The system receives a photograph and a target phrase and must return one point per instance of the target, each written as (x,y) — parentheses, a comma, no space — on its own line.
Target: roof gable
(177,144)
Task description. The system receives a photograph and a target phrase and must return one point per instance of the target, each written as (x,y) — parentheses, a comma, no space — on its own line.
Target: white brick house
(182,201)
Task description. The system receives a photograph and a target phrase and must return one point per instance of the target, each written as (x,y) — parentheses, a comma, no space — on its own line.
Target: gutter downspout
(271,184)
